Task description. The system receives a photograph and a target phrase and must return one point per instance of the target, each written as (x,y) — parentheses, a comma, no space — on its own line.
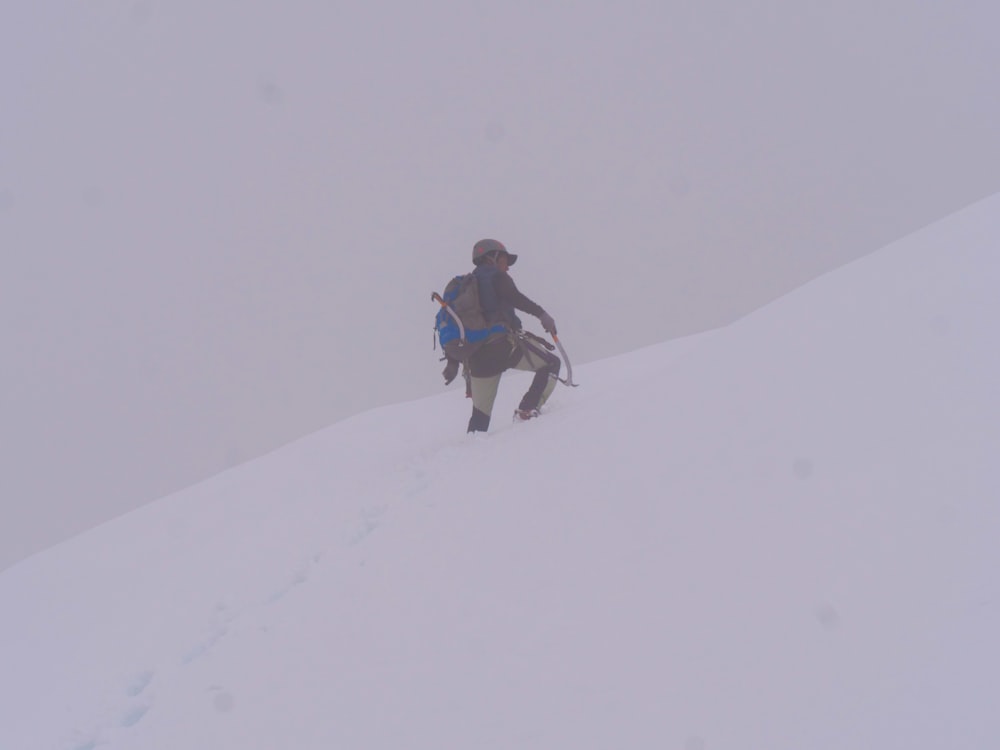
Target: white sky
(793,547)
(221,222)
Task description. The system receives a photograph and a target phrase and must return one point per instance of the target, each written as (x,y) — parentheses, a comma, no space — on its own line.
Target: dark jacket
(499,297)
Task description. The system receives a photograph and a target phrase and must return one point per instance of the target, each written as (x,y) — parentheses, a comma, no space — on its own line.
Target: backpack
(461,296)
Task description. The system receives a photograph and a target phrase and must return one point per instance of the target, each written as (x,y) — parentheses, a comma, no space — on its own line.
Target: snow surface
(779,535)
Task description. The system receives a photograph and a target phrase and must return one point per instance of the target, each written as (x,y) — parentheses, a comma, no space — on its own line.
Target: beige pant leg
(533,362)
(484,393)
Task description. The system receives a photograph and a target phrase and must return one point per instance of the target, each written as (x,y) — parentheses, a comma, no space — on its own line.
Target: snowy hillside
(781,535)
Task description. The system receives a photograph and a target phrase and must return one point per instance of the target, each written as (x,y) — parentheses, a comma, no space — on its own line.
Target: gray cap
(484,247)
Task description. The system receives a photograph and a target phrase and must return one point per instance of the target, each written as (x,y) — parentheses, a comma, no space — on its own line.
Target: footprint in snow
(418,482)
(139,683)
(299,576)
(200,649)
(133,716)
(369,521)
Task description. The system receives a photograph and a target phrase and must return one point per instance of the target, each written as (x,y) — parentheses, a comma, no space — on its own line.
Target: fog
(220,222)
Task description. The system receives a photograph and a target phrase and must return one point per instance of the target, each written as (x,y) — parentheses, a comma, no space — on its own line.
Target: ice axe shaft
(461,328)
(569,368)
(461,332)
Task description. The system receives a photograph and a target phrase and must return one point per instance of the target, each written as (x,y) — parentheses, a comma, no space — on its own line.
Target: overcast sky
(221,220)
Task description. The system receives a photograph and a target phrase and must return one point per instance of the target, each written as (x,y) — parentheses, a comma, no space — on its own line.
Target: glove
(450,371)
(547,323)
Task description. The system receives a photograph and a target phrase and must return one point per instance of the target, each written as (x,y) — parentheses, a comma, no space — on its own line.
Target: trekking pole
(569,368)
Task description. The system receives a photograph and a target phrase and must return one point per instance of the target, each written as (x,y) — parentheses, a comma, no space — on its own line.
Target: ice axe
(461,328)
(461,341)
(568,380)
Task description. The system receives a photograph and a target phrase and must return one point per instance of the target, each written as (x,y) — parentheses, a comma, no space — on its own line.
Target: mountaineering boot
(523,415)
(479,421)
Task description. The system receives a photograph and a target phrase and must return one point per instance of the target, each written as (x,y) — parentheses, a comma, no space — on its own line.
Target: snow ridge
(778,534)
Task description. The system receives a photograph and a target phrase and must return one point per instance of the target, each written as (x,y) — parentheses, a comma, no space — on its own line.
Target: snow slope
(781,534)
